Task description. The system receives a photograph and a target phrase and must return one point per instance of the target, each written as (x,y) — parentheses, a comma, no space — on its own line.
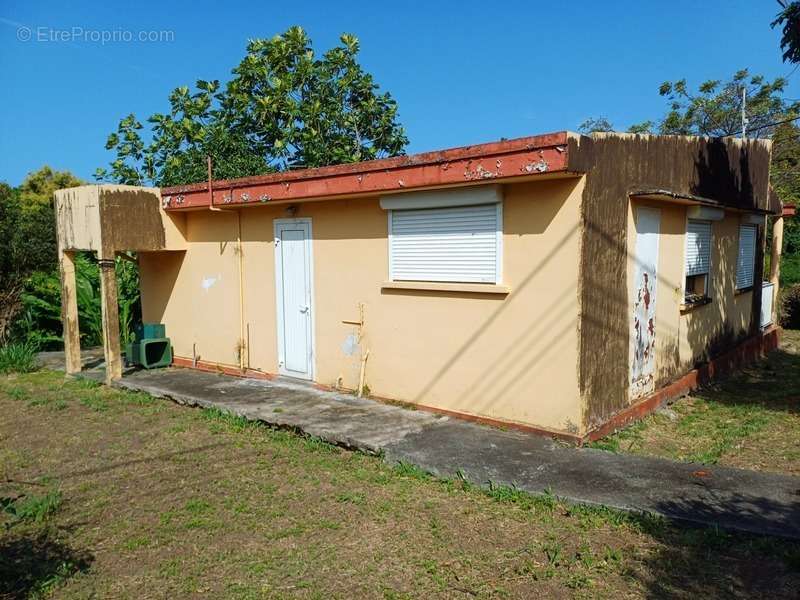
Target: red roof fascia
(501,160)
(789,210)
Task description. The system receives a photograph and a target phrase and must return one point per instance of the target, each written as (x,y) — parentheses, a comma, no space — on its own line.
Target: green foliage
(602,124)
(789,22)
(595,124)
(283,108)
(40,323)
(18,358)
(34,509)
(790,307)
(716,108)
(28,234)
(643,127)
(27,223)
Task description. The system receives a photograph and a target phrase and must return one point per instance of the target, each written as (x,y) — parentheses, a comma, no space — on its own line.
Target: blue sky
(462,72)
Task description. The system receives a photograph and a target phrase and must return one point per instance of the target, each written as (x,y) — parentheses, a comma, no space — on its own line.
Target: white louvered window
(746,262)
(698,259)
(452,244)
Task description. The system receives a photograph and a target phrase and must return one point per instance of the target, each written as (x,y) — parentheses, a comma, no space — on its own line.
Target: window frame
(742,288)
(498,280)
(707,274)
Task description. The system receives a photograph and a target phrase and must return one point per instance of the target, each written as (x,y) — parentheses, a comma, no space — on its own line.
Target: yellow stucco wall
(684,339)
(508,357)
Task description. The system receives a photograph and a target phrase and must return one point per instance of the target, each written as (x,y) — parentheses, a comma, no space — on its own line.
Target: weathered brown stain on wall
(728,171)
(130,220)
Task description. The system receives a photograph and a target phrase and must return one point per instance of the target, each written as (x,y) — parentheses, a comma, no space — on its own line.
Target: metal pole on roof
(744,113)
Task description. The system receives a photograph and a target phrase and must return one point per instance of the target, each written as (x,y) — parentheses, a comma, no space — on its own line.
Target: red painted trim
(203,365)
(495,161)
(748,351)
(789,210)
(498,423)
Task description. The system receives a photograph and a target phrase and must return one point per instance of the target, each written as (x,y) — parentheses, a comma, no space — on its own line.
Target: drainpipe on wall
(240,253)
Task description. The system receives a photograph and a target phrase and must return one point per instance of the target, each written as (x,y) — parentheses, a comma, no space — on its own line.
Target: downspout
(211,207)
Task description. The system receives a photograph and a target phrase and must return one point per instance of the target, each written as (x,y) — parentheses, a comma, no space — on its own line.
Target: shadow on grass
(33,564)
(694,562)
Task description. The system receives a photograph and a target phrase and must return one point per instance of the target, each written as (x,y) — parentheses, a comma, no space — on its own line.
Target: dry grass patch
(750,420)
(159,501)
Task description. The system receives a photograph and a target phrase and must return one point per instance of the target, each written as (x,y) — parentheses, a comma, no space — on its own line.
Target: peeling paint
(480,172)
(208,282)
(643,330)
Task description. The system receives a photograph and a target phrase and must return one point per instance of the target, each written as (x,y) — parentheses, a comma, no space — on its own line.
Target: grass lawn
(114,494)
(750,420)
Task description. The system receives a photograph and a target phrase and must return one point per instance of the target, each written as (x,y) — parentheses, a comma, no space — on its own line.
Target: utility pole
(744,113)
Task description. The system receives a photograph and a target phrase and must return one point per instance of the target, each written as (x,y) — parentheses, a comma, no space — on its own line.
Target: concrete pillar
(108,304)
(775,262)
(69,312)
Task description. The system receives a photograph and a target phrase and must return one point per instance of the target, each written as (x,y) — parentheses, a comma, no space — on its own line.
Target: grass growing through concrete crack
(160,500)
(749,420)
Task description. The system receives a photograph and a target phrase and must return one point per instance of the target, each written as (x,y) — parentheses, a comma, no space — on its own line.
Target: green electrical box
(151,348)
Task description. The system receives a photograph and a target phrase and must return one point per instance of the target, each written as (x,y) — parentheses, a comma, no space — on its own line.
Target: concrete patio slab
(734,499)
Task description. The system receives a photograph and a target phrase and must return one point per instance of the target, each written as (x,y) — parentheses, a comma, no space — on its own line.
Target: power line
(775,123)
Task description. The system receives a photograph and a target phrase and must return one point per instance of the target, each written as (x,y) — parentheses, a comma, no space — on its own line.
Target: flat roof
(526,157)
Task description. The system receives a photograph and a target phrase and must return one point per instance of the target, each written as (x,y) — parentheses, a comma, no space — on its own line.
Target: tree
(596,125)
(785,177)
(602,124)
(28,232)
(789,21)
(716,109)
(284,108)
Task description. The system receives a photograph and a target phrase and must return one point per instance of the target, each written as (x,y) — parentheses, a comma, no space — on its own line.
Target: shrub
(790,307)
(18,358)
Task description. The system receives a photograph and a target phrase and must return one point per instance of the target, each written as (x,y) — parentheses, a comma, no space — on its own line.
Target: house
(560,283)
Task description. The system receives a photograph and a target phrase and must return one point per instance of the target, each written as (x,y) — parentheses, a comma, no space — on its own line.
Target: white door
(645,284)
(293,283)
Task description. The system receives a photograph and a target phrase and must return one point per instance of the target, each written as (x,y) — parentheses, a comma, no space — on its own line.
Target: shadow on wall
(719,180)
(160,270)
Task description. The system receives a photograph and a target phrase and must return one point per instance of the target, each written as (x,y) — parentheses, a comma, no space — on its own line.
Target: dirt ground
(750,420)
(147,499)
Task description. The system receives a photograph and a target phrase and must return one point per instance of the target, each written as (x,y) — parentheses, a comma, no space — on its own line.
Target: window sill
(437,286)
(689,307)
(741,291)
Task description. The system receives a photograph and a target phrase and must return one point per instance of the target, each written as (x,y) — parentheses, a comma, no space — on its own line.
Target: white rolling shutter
(698,247)
(460,244)
(745,265)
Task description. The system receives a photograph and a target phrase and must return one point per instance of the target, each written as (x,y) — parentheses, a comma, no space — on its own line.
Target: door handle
(304,309)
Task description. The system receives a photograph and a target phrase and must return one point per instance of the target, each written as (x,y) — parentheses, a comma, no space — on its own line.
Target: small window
(746,262)
(453,244)
(698,260)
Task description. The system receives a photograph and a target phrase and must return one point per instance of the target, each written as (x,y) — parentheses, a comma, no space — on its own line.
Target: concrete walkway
(717,496)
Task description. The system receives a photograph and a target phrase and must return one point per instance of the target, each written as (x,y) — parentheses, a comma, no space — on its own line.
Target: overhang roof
(526,157)
(689,200)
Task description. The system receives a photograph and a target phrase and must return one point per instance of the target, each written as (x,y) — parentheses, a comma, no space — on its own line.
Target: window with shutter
(698,259)
(745,265)
(453,244)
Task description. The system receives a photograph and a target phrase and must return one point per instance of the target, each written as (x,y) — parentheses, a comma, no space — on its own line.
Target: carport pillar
(69,311)
(108,304)
(775,261)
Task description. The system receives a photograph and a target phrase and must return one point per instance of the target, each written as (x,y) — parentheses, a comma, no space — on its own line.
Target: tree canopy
(284,108)
(715,109)
(788,20)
